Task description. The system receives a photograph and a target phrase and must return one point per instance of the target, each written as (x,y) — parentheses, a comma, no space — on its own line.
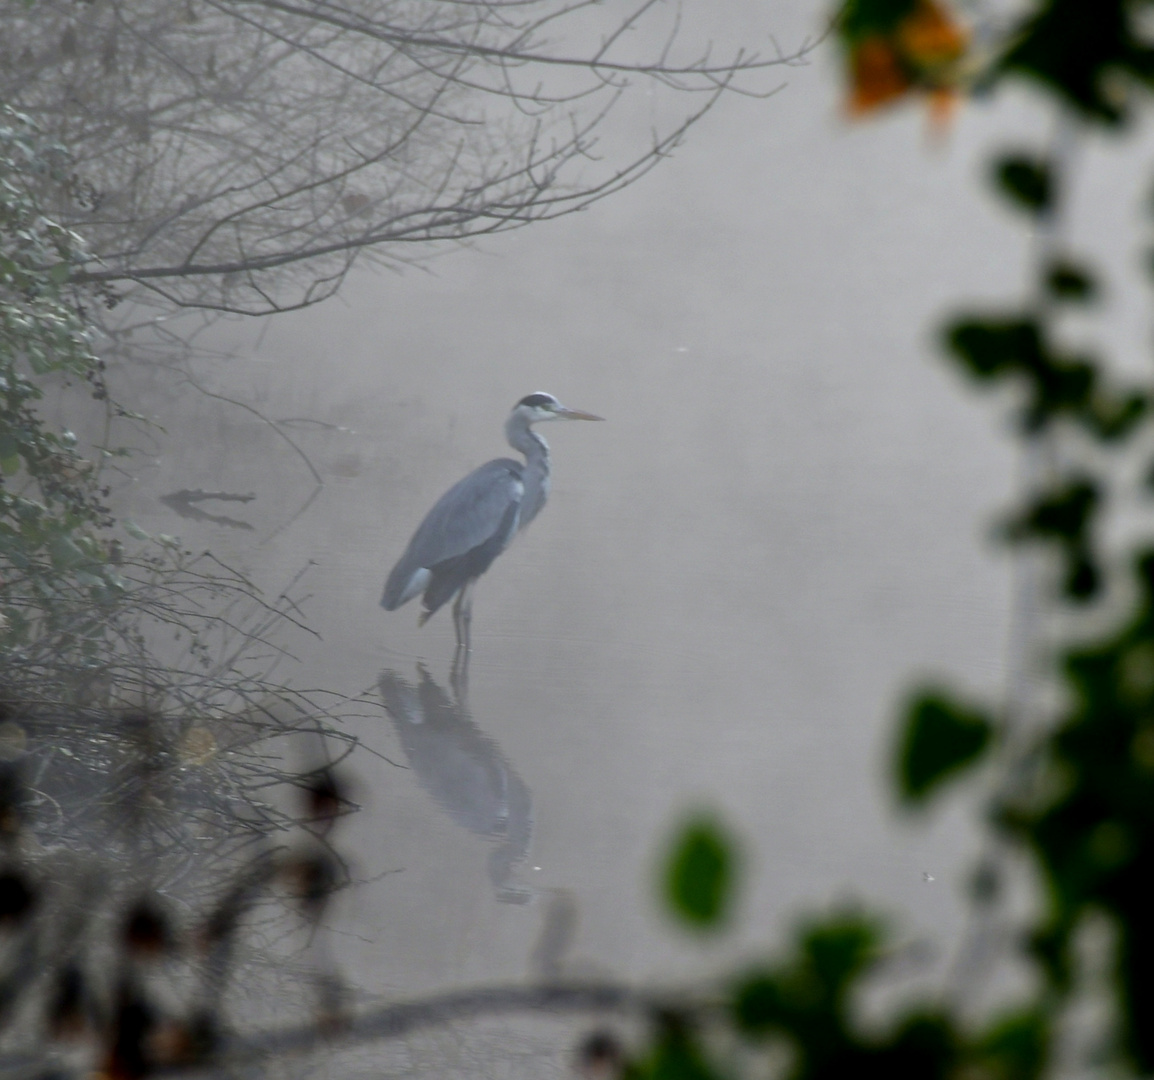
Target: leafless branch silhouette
(240,156)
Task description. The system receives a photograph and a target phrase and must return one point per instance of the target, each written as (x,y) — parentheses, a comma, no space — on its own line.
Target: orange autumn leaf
(929,37)
(921,53)
(877,75)
(943,104)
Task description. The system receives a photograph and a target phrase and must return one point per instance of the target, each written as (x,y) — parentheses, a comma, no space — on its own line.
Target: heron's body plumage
(477,518)
(468,527)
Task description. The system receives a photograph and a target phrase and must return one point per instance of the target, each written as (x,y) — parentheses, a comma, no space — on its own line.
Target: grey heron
(477,518)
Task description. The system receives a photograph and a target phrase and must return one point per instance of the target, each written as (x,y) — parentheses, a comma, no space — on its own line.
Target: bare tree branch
(240,155)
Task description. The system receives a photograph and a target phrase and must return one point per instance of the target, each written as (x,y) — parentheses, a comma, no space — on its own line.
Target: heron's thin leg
(462,622)
(467,614)
(458,622)
(463,615)
(459,676)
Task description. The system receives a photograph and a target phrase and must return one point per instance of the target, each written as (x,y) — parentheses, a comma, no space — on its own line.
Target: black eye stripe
(538,400)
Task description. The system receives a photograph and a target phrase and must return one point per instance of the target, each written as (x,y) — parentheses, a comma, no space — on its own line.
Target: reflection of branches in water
(182,503)
(173,918)
(260,416)
(160,979)
(404,1019)
(174,358)
(191,642)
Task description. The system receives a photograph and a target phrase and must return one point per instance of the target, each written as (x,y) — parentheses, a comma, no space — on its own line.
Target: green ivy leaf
(1076,49)
(861,18)
(699,874)
(1112,417)
(1027,182)
(924,1046)
(1015,1046)
(807,996)
(1083,579)
(676,1055)
(996,347)
(1062,513)
(1067,281)
(757,1005)
(941,738)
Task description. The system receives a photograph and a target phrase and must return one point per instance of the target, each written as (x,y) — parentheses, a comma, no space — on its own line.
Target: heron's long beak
(575,414)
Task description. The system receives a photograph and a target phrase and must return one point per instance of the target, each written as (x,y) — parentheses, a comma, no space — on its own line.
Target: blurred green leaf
(807,998)
(699,874)
(676,1055)
(940,739)
(1113,416)
(757,1005)
(839,949)
(1027,182)
(1064,512)
(924,1047)
(1067,281)
(65,554)
(1078,49)
(1015,1047)
(990,347)
(1082,580)
(862,18)
(1063,515)
(997,347)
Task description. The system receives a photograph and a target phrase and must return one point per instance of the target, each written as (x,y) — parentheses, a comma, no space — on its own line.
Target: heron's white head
(539,407)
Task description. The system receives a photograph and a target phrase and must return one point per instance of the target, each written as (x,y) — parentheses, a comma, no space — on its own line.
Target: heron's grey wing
(478,512)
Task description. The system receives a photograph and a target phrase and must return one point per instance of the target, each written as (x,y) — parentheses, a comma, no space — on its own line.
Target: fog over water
(781,527)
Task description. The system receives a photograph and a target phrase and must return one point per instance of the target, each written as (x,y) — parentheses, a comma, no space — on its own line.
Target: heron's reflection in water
(464,770)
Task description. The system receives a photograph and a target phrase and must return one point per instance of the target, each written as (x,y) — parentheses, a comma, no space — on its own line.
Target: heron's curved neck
(536,478)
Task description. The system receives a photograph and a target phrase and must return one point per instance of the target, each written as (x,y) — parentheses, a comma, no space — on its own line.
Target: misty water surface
(780,528)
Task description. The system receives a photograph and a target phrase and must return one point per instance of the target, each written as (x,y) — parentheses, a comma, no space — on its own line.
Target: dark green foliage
(1086,814)
(1091,828)
(1026,181)
(1063,515)
(807,1002)
(51,501)
(804,1006)
(699,875)
(1069,282)
(1015,1048)
(940,739)
(863,18)
(924,1048)
(808,995)
(1082,50)
(676,1054)
(991,348)
(1075,794)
